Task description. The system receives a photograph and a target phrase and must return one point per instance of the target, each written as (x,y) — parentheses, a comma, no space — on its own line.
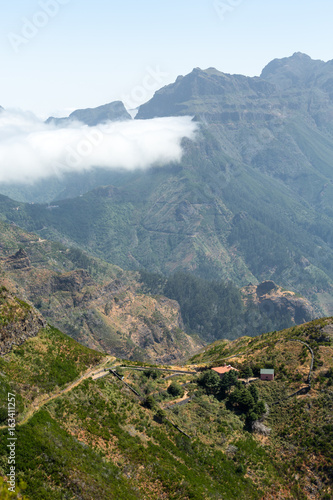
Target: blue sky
(59,55)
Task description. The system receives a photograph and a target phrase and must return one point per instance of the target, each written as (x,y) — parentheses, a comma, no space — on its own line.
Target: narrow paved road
(142,368)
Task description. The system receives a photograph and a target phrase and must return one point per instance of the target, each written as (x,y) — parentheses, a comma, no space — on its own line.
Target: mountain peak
(300,55)
(297,69)
(113,111)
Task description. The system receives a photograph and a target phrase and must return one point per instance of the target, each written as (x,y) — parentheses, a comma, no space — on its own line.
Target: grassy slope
(301,426)
(80,443)
(98,441)
(43,364)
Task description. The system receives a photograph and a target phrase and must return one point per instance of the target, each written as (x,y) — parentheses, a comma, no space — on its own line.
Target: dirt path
(39,403)
(177,402)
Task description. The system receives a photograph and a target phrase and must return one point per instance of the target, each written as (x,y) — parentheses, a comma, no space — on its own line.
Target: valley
(81,434)
(166,330)
(250,200)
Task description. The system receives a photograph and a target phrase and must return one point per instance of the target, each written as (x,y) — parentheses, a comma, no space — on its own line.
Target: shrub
(229,380)
(210,381)
(149,402)
(175,389)
(160,416)
(151,373)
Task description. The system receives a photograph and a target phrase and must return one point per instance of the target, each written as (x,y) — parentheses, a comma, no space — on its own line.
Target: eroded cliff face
(147,327)
(19,260)
(110,315)
(18,321)
(272,300)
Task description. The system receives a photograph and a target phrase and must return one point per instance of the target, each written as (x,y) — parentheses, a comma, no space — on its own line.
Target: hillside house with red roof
(222,370)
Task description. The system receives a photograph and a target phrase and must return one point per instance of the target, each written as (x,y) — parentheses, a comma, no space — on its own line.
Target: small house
(267,374)
(222,370)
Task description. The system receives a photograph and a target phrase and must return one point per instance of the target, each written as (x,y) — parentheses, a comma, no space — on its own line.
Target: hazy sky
(59,55)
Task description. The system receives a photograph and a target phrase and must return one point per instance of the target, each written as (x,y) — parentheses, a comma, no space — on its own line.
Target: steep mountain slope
(131,314)
(251,200)
(82,433)
(169,220)
(86,438)
(299,424)
(95,303)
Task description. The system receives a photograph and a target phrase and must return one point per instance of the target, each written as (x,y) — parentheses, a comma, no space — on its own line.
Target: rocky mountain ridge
(114,111)
(107,313)
(250,201)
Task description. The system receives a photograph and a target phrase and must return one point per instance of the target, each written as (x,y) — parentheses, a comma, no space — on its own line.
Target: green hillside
(80,436)
(245,227)
(141,316)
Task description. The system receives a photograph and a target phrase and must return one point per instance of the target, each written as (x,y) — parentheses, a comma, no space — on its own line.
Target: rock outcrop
(19,260)
(18,321)
(73,281)
(260,428)
(273,300)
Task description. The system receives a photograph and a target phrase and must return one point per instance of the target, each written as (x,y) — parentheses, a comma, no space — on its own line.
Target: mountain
(140,316)
(83,431)
(250,201)
(296,71)
(114,111)
(96,303)
(280,123)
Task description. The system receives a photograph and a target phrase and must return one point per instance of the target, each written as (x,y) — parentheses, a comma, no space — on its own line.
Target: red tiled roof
(224,369)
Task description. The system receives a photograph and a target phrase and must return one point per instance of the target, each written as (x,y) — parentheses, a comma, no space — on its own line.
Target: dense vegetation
(214,309)
(245,400)
(99,440)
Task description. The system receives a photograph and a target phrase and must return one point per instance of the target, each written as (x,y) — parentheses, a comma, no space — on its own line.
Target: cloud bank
(31,150)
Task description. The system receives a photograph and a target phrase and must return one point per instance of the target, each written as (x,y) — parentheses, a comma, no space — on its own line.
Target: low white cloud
(31,150)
